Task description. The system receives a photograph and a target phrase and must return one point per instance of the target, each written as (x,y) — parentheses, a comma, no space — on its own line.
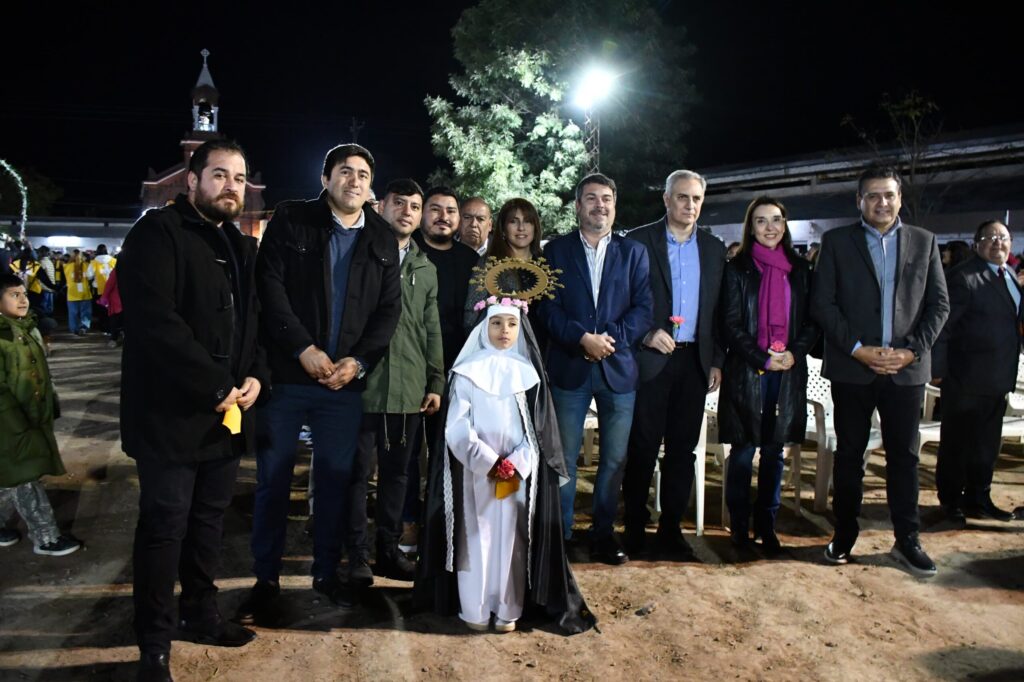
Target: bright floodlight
(596,85)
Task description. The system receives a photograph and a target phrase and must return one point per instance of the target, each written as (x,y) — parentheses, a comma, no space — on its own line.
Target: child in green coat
(28,448)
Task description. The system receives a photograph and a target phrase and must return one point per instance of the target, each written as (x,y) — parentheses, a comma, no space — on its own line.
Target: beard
(440,238)
(208,206)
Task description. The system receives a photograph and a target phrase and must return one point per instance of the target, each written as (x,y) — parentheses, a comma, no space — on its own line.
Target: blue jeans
(769,471)
(334,417)
(615,413)
(79,315)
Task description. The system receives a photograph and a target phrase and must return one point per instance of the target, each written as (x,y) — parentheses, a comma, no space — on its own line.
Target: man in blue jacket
(595,324)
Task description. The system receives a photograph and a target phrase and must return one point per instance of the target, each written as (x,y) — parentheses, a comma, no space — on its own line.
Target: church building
(161,188)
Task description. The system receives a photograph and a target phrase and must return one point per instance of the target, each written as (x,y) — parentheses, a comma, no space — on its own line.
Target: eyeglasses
(995,239)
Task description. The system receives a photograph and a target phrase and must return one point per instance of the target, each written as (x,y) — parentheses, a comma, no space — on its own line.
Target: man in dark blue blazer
(975,359)
(595,324)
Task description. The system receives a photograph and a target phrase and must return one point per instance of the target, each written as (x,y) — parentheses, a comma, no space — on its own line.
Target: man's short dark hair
(101,249)
(10,281)
(201,155)
(342,152)
(987,223)
(878,172)
(403,187)
(595,179)
(441,190)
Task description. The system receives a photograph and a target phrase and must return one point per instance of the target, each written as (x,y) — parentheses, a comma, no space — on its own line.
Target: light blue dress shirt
(1010,281)
(684,262)
(884,250)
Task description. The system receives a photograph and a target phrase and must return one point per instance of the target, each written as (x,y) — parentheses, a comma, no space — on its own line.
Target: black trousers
(972,434)
(669,406)
(394,438)
(899,408)
(179,533)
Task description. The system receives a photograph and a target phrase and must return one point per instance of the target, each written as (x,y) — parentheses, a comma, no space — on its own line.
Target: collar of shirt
(672,238)
(878,235)
(355,226)
(603,242)
(995,268)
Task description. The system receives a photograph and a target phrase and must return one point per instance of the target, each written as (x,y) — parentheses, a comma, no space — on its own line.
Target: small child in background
(28,406)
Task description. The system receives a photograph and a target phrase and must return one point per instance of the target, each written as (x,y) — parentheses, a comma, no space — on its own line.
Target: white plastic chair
(589,427)
(821,429)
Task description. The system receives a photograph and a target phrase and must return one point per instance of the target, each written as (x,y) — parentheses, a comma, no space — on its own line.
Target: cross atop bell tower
(204,100)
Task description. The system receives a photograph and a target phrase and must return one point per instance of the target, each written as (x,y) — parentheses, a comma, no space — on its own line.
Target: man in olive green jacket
(28,405)
(406,384)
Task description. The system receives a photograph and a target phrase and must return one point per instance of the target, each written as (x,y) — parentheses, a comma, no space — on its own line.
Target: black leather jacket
(739,408)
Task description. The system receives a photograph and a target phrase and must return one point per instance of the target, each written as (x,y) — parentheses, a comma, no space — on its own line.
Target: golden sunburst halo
(541,278)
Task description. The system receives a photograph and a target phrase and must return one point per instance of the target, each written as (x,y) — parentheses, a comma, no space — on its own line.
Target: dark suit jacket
(712,263)
(623,311)
(979,346)
(190,335)
(846,302)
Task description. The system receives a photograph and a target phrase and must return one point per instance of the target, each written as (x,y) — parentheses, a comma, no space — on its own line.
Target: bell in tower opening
(204,100)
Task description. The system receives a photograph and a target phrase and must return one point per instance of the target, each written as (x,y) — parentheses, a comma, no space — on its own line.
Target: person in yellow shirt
(77,275)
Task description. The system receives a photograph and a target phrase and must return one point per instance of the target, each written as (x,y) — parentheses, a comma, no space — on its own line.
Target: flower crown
(506,301)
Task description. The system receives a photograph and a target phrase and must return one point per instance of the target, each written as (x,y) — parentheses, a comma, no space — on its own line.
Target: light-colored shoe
(504,626)
(477,627)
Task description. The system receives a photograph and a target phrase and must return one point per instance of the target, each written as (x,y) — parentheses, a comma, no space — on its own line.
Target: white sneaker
(504,626)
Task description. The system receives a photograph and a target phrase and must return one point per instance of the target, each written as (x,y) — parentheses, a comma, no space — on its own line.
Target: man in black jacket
(679,362)
(187,280)
(880,298)
(975,359)
(328,277)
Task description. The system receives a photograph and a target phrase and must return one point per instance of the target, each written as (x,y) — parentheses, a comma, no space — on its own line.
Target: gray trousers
(32,504)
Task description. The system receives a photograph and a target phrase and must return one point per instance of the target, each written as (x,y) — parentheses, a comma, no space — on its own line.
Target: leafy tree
(42,193)
(915,123)
(508,140)
(642,123)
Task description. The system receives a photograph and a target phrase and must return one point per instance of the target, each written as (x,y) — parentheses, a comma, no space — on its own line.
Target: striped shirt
(595,261)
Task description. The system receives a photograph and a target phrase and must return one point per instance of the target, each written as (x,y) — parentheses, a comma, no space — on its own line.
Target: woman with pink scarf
(767,330)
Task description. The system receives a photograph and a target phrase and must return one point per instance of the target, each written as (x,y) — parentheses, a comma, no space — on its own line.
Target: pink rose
(506,301)
(480,305)
(777,347)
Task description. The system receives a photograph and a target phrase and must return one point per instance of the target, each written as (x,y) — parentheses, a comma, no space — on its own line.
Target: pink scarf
(774,296)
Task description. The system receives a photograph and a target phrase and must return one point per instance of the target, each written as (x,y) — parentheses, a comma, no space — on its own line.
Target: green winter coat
(414,363)
(28,448)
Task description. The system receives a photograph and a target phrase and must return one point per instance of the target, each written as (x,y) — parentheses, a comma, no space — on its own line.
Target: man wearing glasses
(975,359)
(881,311)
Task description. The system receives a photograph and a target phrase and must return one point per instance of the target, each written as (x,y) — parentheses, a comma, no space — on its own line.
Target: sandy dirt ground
(791,618)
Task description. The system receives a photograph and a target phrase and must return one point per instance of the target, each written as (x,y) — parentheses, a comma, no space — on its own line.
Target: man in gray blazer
(880,298)
(679,363)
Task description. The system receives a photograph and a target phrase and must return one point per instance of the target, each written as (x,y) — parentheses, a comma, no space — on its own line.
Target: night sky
(92,97)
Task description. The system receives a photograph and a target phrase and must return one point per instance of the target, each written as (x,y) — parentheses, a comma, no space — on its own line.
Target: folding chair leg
(725,476)
(822,478)
(698,475)
(796,462)
(588,446)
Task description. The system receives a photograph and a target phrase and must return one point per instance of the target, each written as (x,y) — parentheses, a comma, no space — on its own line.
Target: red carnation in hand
(777,347)
(505,470)
(677,321)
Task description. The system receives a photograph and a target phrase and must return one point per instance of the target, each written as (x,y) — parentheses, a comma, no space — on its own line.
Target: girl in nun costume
(493,541)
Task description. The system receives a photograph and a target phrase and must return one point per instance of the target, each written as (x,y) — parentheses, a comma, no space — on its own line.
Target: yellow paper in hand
(233,420)
(503,489)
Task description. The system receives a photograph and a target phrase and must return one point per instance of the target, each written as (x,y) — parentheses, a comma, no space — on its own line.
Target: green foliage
(516,135)
(509,141)
(42,193)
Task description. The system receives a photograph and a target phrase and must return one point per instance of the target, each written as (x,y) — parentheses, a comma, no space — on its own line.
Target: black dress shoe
(952,512)
(987,510)
(1018,513)
(154,668)
(332,588)
(770,544)
(671,545)
(215,632)
(260,605)
(838,550)
(739,536)
(608,551)
(359,574)
(392,563)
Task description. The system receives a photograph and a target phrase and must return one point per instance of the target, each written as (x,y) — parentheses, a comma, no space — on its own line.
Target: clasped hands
(334,375)
(503,470)
(597,347)
(882,360)
(780,362)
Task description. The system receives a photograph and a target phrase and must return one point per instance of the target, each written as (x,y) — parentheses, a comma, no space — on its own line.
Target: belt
(685,344)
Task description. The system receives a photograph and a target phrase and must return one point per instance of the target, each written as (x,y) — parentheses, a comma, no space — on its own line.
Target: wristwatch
(362,368)
(917,356)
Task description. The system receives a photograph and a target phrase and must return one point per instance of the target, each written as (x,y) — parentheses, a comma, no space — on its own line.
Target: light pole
(596,84)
